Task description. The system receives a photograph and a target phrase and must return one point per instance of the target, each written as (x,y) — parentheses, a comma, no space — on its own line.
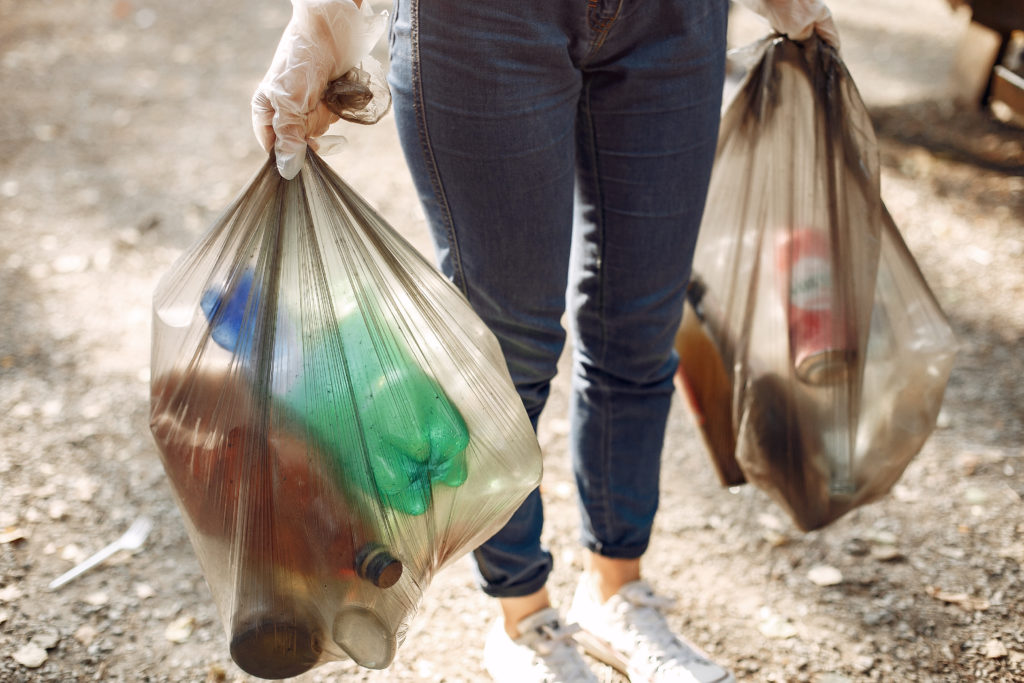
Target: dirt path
(123,134)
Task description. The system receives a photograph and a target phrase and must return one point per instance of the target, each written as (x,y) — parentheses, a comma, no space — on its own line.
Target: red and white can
(818,340)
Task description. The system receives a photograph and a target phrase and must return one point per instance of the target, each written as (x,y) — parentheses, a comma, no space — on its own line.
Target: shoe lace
(557,653)
(556,637)
(642,611)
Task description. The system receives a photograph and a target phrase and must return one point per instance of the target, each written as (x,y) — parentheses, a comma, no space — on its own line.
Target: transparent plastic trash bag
(336,423)
(813,354)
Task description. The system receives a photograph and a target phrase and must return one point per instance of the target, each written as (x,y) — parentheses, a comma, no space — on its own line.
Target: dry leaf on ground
(968,602)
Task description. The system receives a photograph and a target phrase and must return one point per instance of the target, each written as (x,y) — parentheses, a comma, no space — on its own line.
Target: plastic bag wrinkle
(834,354)
(336,423)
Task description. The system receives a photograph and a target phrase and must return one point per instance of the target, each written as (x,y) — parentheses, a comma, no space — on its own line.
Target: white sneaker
(629,633)
(545,652)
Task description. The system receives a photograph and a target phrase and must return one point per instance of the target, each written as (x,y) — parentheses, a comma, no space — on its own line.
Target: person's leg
(648,122)
(606,575)
(485,101)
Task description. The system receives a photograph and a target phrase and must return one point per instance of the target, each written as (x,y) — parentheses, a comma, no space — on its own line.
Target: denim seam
(631,552)
(428,152)
(601,25)
(522,590)
(591,137)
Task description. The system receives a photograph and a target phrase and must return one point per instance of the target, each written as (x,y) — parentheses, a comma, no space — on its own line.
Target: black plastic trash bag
(813,353)
(335,421)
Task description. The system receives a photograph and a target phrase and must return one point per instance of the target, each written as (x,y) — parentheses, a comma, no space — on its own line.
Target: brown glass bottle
(279,640)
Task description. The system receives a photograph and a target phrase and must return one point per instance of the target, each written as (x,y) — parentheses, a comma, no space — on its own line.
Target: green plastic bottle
(387,425)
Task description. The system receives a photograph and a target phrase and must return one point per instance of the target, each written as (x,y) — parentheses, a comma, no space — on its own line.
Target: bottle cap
(378,566)
(826,367)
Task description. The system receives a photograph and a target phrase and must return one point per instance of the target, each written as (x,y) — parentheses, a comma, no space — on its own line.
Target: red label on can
(817,339)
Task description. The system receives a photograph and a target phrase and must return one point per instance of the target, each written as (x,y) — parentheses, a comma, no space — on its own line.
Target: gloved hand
(797,19)
(323,41)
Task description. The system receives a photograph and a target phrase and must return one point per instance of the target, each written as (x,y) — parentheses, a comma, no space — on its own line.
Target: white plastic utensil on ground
(130,540)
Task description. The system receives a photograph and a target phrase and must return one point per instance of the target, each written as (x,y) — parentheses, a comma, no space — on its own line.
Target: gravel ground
(125,133)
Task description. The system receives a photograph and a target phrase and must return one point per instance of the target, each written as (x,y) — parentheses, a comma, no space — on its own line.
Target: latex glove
(797,19)
(323,41)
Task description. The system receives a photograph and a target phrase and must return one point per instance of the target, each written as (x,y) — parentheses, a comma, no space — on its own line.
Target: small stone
(564,490)
(905,494)
(85,488)
(179,630)
(882,537)
(770,522)
(128,237)
(952,553)
(57,510)
(52,408)
(86,634)
(877,617)
(22,410)
(856,547)
(975,495)
(47,638)
(1014,552)
(97,599)
(863,664)
(3,617)
(982,257)
(994,649)
(12,534)
(10,593)
(824,575)
(886,553)
(774,538)
(968,463)
(774,626)
(144,591)
(70,263)
(72,553)
(30,656)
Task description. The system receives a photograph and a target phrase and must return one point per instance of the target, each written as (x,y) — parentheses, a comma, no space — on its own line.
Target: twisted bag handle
(361,95)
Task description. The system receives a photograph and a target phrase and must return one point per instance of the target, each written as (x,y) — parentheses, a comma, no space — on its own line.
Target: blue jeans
(561,150)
